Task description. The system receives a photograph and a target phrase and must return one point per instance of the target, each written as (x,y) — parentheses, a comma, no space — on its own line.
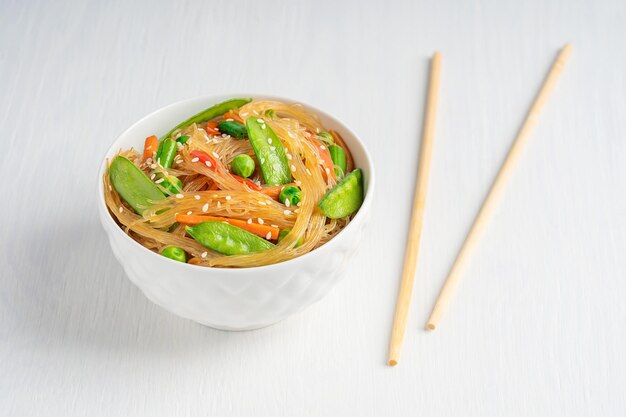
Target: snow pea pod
(133,185)
(338,155)
(269,151)
(210,113)
(344,198)
(166,153)
(234,129)
(227,239)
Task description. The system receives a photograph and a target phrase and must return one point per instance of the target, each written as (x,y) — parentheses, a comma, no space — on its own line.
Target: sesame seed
(219,204)
(263,126)
(121,209)
(179,196)
(298,182)
(308,172)
(196,159)
(268,201)
(273,148)
(215,154)
(291,135)
(320,161)
(230,120)
(262,160)
(153,166)
(296,211)
(299,203)
(287,202)
(228,197)
(307,134)
(262,203)
(189,212)
(204,254)
(249,221)
(293,168)
(244,114)
(159,181)
(327,170)
(205,208)
(208,163)
(289,156)
(216,141)
(260,220)
(256,113)
(274,225)
(287,212)
(269,140)
(322,147)
(268,236)
(260,120)
(197,197)
(152,176)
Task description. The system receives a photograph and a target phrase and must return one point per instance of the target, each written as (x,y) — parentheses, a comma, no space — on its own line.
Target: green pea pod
(338,155)
(283,234)
(210,113)
(344,198)
(326,137)
(234,129)
(133,185)
(172,185)
(166,153)
(182,139)
(175,253)
(269,151)
(227,239)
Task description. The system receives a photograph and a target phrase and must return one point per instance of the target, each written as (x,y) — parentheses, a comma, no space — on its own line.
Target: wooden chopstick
(497,189)
(419,201)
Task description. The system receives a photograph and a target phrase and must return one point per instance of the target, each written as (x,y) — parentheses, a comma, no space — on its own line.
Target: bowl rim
(358,218)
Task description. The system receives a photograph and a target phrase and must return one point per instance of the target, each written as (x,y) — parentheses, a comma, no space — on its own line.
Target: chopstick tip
(392,362)
(430,326)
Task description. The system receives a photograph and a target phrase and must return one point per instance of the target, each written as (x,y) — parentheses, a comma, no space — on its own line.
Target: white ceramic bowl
(234,299)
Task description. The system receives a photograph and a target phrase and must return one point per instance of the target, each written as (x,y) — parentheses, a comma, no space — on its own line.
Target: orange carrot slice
(262,230)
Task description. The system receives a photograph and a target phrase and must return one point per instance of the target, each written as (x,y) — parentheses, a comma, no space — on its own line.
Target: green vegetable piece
(175,253)
(166,153)
(269,151)
(291,194)
(326,137)
(210,113)
(133,185)
(234,129)
(226,238)
(242,165)
(182,139)
(344,198)
(172,185)
(338,155)
(283,233)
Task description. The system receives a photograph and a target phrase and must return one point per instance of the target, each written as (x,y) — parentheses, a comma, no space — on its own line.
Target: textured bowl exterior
(234,299)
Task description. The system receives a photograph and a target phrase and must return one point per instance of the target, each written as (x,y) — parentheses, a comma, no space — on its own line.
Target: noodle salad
(243,183)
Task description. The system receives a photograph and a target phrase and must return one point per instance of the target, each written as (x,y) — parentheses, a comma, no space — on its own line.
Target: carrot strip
(211,129)
(235,117)
(250,184)
(273,191)
(150,146)
(254,228)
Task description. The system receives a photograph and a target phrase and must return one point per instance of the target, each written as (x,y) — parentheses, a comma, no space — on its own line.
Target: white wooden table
(538,327)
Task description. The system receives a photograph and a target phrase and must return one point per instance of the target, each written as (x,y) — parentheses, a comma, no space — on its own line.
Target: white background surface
(539,325)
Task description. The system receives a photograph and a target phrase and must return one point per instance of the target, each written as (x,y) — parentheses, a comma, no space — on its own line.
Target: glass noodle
(215,192)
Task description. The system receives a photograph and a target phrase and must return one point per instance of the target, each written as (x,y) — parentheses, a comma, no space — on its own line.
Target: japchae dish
(243,183)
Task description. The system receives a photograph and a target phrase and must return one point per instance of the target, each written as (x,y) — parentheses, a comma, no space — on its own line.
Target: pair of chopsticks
(483,216)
